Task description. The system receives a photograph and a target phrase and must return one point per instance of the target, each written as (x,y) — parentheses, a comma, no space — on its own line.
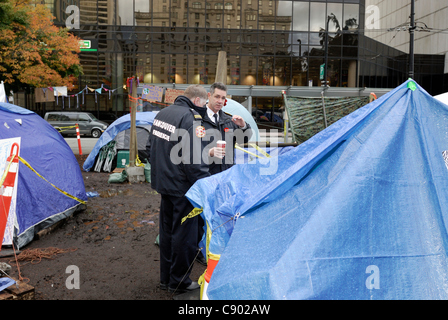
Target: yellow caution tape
(253,145)
(195,212)
(65,128)
(67,194)
(214,256)
(138,162)
(252,154)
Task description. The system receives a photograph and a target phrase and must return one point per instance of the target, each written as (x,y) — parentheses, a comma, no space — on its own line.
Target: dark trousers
(178,243)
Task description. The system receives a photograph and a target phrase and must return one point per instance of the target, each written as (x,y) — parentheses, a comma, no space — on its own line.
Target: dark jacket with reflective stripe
(175,150)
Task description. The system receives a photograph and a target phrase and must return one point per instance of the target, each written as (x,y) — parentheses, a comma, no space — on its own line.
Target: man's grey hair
(219,86)
(196,91)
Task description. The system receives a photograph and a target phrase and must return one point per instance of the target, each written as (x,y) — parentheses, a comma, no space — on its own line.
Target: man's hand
(217,152)
(239,121)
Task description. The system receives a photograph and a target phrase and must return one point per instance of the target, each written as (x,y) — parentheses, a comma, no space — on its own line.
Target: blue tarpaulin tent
(359,211)
(39,205)
(121,124)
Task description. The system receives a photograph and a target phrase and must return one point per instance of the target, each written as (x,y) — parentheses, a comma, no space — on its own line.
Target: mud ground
(111,243)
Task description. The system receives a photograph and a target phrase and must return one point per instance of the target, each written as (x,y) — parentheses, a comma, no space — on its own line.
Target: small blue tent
(40,205)
(359,211)
(121,124)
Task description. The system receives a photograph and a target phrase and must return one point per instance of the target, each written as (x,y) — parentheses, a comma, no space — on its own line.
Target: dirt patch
(112,243)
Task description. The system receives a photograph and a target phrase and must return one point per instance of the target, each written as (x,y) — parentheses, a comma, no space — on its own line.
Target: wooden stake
(133,137)
(221,68)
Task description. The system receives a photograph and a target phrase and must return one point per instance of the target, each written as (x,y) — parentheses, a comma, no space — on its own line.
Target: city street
(87,144)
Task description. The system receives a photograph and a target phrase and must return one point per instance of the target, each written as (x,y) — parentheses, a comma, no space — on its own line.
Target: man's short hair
(218,85)
(196,91)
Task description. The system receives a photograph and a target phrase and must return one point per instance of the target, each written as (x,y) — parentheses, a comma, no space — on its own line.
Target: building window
(229,6)
(251,17)
(197,5)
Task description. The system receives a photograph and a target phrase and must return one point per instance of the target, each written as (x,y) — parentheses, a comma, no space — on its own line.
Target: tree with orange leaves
(33,51)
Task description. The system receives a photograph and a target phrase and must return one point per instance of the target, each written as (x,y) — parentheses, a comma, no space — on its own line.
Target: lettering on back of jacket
(164,126)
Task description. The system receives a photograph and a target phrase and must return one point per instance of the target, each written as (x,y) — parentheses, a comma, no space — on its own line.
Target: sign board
(152,93)
(322,71)
(86,45)
(172,94)
(5,152)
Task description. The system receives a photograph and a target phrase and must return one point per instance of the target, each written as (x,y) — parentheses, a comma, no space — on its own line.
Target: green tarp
(309,116)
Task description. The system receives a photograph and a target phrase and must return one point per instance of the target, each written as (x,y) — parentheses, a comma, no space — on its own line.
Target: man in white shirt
(222,126)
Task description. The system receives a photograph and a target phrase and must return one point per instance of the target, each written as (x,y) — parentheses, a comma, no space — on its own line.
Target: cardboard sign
(152,93)
(172,94)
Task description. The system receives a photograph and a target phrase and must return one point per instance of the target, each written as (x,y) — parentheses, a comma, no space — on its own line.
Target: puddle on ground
(114,192)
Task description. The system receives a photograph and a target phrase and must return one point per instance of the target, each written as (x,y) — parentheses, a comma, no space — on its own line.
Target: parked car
(87,122)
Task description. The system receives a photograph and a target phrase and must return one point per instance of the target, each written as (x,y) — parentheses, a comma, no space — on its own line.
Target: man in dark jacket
(175,147)
(220,125)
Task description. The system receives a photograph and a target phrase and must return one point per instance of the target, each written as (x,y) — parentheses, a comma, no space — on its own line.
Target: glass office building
(268,43)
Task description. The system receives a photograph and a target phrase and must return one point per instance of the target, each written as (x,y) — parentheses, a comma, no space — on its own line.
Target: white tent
(443,98)
(3,93)
(236,108)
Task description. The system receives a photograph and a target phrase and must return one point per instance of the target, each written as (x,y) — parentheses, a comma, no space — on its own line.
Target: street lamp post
(326,52)
(411,41)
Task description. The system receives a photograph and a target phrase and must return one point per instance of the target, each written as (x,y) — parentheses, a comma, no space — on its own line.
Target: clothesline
(62,92)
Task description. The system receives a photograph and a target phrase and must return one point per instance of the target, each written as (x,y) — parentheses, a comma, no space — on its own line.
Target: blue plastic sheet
(6,283)
(358,211)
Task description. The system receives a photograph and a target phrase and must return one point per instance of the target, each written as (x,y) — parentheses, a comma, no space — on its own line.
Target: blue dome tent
(359,211)
(121,124)
(40,205)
